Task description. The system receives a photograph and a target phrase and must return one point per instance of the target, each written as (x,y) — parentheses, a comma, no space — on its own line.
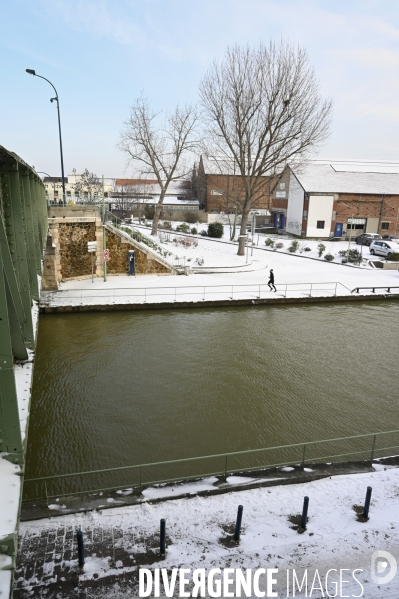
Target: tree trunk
(157,214)
(243,231)
(233,232)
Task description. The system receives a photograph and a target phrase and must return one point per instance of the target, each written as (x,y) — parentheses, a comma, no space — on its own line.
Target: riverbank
(199,534)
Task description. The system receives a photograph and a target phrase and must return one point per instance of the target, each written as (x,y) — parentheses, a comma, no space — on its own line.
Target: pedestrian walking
(271,281)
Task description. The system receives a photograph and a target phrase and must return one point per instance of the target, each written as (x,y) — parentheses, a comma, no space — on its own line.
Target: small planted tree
(321,248)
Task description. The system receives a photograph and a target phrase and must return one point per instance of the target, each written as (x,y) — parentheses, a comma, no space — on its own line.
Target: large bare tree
(160,148)
(263,109)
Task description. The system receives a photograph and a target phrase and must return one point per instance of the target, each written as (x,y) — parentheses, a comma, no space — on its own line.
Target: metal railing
(387,287)
(352,448)
(193,292)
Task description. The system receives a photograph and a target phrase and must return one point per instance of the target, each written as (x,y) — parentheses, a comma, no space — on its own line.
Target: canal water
(120,388)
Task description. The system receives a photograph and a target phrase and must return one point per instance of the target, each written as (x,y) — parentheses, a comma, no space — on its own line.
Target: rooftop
(355,176)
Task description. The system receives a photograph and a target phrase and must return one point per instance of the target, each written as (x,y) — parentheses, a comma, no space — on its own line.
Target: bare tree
(161,150)
(89,184)
(262,110)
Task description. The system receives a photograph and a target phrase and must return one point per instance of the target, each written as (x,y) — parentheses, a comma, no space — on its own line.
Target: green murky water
(125,388)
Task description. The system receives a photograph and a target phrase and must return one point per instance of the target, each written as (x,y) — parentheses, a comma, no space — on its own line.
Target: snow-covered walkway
(199,535)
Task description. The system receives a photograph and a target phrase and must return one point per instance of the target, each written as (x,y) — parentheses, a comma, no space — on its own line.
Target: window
(55,192)
(68,193)
(320,224)
(357,226)
(282,185)
(385,226)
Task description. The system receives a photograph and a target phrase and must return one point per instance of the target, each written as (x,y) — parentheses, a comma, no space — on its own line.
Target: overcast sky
(100,55)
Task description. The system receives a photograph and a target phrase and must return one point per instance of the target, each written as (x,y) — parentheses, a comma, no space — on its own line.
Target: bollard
(238,523)
(304,518)
(81,551)
(163,537)
(367,503)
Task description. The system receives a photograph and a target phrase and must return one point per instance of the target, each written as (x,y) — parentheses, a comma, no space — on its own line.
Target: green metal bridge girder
(23,229)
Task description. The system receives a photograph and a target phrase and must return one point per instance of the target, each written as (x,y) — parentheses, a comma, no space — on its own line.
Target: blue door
(282,219)
(276,215)
(131,262)
(338,230)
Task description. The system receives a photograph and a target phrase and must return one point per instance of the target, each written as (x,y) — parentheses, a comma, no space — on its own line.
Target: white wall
(320,208)
(295,207)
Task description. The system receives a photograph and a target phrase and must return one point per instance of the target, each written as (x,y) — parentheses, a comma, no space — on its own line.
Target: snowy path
(199,533)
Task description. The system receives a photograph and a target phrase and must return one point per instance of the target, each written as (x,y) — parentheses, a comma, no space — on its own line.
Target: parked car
(384,248)
(394,238)
(367,238)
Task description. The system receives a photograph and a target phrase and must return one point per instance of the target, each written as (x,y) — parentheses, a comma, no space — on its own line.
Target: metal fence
(194,293)
(358,448)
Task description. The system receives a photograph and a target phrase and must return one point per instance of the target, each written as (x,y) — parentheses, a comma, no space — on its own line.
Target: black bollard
(163,536)
(238,523)
(367,503)
(304,518)
(81,550)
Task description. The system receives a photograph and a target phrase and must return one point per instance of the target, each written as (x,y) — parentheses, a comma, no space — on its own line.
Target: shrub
(183,228)
(294,246)
(308,249)
(322,248)
(342,252)
(194,231)
(329,257)
(279,245)
(149,211)
(215,230)
(393,256)
(203,233)
(269,242)
(191,217)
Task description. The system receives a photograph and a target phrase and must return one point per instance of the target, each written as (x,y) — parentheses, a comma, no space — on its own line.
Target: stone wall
(119,258)
(73,238)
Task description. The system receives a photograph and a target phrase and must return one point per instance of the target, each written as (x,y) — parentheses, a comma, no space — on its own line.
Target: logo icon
(383,567)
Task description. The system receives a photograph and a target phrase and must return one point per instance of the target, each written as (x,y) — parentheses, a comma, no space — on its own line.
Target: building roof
(151,186)
(349,177)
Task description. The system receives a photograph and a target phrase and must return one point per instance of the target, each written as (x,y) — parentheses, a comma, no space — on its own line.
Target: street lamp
(32,72)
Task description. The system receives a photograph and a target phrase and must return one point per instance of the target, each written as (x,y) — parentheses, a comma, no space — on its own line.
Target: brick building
(219,189)
(341,199)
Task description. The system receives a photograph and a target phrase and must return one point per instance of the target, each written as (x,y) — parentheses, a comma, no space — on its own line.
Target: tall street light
(32,72)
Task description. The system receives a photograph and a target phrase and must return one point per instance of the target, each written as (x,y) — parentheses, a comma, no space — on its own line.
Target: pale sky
(101,54)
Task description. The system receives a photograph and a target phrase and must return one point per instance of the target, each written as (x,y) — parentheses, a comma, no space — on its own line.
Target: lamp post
(32,72)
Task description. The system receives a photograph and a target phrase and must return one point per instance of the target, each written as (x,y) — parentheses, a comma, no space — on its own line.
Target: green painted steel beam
(10,431)
(15,231)
(14,303)
(33,250)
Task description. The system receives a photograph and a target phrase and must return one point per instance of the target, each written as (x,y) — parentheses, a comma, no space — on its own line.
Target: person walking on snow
(271,281)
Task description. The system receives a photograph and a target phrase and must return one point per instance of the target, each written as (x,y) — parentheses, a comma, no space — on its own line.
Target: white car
(384,248)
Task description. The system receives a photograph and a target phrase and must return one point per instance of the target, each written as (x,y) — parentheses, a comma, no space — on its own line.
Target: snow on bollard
(304,518)
(81,551)
(163,537)
(238,523)
(367,503)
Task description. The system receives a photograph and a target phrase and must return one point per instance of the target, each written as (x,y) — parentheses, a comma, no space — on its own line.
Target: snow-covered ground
(200,532)
(227,275)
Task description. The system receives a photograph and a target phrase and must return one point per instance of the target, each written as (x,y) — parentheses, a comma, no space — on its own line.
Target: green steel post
(19,253)
(10,430)
(35,220)
(14,303)
(30,237)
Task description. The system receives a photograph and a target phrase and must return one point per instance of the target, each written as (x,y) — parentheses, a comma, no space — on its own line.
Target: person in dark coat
(271,281)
